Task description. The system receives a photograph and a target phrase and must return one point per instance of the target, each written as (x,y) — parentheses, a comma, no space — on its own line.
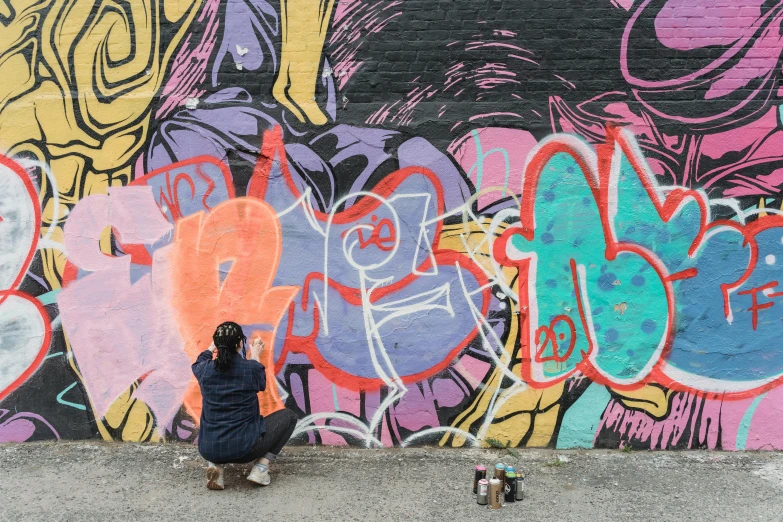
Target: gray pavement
(102,481)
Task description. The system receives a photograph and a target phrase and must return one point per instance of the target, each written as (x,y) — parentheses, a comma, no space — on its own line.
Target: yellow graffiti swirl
(110,72)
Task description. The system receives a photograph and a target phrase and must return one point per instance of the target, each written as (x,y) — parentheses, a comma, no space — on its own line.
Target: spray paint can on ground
(495,493)
(482,497)
(481,473)
(500,471)
(510,492)
(520,489)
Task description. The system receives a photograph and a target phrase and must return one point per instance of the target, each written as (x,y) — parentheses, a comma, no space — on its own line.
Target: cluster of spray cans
(508,485)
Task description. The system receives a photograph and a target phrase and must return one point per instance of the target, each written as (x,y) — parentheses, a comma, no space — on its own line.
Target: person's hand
(256,348)
(212,347)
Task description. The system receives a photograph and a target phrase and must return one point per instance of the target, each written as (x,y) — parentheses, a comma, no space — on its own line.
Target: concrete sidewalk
(100,481)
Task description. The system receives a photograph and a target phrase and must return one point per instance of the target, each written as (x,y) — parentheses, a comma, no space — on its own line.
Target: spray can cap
(481,467)
(509,468)
(483,481)
(500,465)
(511,475)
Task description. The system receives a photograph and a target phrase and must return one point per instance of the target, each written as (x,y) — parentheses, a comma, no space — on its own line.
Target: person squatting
(232,430)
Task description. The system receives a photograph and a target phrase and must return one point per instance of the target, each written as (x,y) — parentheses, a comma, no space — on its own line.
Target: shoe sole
(258,483)
(213,475)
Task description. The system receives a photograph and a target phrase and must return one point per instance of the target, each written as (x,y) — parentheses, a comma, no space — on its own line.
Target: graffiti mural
(540,225)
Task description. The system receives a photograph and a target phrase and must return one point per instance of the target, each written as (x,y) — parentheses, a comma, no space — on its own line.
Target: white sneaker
(214,476)
(260,475)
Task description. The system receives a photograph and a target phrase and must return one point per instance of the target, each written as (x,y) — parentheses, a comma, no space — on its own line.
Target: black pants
(279,427)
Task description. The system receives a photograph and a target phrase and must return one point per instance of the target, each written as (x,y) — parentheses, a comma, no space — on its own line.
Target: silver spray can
(520,486)
(482,492)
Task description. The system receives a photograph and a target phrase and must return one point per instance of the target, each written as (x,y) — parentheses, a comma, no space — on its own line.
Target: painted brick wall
(518,223)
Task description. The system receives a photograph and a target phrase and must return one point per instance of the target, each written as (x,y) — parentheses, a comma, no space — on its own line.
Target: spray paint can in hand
(495,493)
(520,490)
(511,486)
(482,497)
(481,473)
